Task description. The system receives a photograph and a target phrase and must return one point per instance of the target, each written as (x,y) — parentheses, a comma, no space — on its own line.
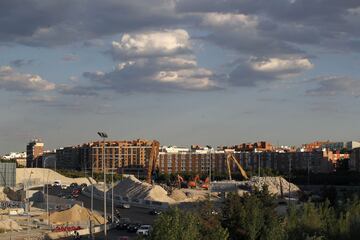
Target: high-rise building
(34,152)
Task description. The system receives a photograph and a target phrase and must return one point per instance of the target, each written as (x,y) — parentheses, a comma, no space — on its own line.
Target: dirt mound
(76,215)
(276,185)
(9,224)
(40,176)
(133,188)
(178,195)
(3,196)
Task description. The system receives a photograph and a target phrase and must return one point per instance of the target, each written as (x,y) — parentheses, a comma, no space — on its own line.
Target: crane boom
(153,160)
(230,157)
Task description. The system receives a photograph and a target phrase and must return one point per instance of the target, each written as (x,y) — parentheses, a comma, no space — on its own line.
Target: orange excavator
(206,183)
(192,184)
(231,158)
(180,180)
(155,145)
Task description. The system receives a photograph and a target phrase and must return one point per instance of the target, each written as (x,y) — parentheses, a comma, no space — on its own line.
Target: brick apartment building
(198,161)
(118,154)
(132,157)
(34,152)
(251,147)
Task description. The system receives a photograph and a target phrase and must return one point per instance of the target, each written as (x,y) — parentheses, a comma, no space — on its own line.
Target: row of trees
(254,217)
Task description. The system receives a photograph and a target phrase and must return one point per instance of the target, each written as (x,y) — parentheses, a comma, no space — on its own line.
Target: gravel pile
(275,185)
(178,195)
(76,215)
(133,188)
(9,224)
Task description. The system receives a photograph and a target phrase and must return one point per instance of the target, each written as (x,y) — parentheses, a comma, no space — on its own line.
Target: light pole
(210,159)
(28,207)
(92,197)
(308,169)
(112,195)
(210,177)
(103,136)
(289,176)
(259,165)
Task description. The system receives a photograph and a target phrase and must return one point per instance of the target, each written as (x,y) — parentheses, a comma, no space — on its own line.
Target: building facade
(198,162)
(352,144)
(118,155)
(354,162)
(34,151)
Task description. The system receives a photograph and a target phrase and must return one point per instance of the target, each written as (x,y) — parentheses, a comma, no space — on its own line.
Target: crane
(230,157)
(155,145)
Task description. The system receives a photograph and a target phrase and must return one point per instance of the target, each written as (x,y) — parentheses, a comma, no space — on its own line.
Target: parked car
(155,212)
(124,206)
(117,213)
(123,223)
(144,230)
(57,183)
(133,227)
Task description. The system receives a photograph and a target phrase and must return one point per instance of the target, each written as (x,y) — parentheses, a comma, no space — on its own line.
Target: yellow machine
(229,158)
(153,160)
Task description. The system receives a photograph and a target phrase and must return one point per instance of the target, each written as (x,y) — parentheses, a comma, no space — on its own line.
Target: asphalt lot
(135,214)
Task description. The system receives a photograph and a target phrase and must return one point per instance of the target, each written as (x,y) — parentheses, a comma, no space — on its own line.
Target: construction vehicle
(155,145)
(206,183)
(229,158)
(196,182)
(192,184)
(181,182)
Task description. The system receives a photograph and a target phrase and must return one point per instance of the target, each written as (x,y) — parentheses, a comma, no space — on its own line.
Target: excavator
(229,158)
(206,183)
(155,145)
(193,183)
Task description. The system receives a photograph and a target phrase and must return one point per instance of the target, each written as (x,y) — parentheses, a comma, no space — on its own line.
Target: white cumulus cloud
(12,80)
(215,19)
(160,43)
(154,61)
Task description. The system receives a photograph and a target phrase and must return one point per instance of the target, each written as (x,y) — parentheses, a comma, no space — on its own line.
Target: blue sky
(182,72)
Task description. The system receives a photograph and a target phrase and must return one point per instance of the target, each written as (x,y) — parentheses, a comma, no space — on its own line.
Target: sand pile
(133,188)
(9,224)
(76,215)
(44,176)
(276,185)
(3,196)
(194,195)
(178,195)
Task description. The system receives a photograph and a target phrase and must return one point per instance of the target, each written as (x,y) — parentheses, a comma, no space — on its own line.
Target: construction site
(44,203)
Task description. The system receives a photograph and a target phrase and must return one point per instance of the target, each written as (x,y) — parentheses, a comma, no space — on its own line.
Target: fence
(7,174)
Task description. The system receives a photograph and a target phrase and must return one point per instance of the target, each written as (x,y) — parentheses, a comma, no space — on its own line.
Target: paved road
(135,214)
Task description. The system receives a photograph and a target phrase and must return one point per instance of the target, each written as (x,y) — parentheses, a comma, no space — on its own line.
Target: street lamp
(103,136)
(210,165)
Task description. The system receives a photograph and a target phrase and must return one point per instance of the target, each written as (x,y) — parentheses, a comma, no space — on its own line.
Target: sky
(180,71)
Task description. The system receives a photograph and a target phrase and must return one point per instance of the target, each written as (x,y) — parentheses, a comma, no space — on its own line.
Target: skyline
(284,71)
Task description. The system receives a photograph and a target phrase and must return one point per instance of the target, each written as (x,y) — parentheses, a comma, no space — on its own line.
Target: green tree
(176,225)
(210,224)
(252,217)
